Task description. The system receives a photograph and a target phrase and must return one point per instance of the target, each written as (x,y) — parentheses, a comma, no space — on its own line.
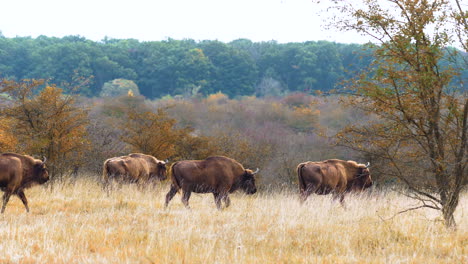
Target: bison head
(248,181)
(161,170)
(363,178)
(41,174)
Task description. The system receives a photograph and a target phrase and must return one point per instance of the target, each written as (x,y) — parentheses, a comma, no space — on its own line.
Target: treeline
(181,67)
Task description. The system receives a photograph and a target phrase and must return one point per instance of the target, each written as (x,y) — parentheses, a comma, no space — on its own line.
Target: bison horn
(44,159)
(255,172)
(368,164)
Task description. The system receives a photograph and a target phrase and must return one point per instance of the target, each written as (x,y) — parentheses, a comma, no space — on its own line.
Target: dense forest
(181,67)
(184,67)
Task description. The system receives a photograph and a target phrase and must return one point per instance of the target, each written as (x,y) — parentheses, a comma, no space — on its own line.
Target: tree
(119,87)
(8,140)
(422,119)
(193,72)
(47,124)
(150,133)
(234,71)
(156,134)
(64,60)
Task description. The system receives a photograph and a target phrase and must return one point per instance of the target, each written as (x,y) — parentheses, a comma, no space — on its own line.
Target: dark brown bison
(133,168)
(218,175)
(18,172)
(332,176)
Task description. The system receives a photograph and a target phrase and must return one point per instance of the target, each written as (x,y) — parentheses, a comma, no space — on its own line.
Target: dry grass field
(80,224)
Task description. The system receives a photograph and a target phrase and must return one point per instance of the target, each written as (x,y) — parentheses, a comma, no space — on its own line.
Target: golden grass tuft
(79,223)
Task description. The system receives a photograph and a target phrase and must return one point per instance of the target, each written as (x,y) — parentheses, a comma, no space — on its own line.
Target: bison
(332,176)
(218,175)
(18,172)
(133,168)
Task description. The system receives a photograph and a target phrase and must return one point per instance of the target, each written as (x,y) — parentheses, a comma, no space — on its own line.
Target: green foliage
(119,87)
(176,67)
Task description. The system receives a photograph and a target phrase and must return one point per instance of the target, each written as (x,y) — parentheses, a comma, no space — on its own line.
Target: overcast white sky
(152,20)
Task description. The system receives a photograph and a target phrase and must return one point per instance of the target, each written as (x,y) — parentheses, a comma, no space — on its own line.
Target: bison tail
(105,173)
(174,177)
(302,185)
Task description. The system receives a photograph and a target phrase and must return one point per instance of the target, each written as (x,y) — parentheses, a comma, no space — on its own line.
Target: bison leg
(217,198)
(185,199)
(305,193)
(6,198)
(109,184)
(221,197)
(21,195)
(172,192)
(308,190)
(340,196)
(227,200)
(106,186)
(303,196)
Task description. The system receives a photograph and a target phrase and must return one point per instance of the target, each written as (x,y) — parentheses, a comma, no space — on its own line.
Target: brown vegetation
(47,124)
(80,220)
(79,223)
(422,122)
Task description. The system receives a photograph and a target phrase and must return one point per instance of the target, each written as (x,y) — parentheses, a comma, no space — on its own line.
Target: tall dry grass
(79,223)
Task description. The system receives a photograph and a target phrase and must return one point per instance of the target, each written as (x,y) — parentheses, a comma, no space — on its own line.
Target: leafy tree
(159,67)
(268,86)
(234,70)
(104,70)
(328,68)
(421,120)
(8,140)
(355,58)
(47,124)
(63,61)
(172,67)
(150,133)
(16,57)
(193,71)
(119,87)
(155,133)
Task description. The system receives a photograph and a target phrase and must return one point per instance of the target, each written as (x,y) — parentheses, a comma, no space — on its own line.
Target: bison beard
(18,172)
(218,175)
(332,176)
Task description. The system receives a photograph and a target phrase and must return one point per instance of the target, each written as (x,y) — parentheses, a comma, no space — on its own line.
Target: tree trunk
(449,219)
(449,205)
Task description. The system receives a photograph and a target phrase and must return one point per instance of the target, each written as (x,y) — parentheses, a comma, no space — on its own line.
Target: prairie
(78,223)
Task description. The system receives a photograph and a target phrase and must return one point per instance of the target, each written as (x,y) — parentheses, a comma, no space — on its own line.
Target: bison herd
(217,175)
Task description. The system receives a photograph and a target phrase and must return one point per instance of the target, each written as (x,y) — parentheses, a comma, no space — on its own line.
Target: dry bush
(80,224)
(106,117)
(132,124)
(8,141)
(298,99)
(272,134)
(105,141)
(48,123)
